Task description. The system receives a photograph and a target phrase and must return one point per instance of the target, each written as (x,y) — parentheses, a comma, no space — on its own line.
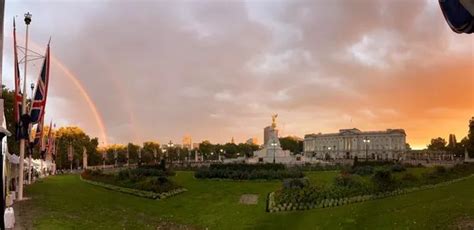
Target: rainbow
(85,95)
(97,116)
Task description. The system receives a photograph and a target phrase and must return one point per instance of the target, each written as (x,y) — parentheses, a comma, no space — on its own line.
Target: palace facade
(348,143)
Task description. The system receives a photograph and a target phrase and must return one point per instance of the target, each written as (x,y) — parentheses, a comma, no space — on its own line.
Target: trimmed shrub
(248,172)
(383,180)
(440,170)
(398,168)
(363,170)
(295,183)
(346,180)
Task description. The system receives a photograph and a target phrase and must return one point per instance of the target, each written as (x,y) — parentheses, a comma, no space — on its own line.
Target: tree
(75,137)
(110,151)
(149,148)
(437,144)
(293,144)
(407,147)
(231,149)
(8,103)
(206,147)
(133,153)
(452,141)
(470,138)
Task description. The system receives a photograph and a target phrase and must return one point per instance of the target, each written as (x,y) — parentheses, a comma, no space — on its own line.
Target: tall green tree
(206,148)
(78,139)
(149,147)
(133,153)
(293,144)
(437,144)
(9,101)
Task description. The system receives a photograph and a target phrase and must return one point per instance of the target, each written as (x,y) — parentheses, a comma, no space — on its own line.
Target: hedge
(248,174)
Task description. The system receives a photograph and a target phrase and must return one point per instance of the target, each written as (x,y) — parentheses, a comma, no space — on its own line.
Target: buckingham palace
(348,143)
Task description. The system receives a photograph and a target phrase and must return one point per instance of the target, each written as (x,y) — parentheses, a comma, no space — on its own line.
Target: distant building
(187,142)
(348,143)
(252,141)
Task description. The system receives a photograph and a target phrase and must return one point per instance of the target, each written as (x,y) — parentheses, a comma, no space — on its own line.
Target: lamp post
(366,141)
(329,152)
(221,152)
(274,144)
(30,149)
(23,112)
(163,158)
(169,145)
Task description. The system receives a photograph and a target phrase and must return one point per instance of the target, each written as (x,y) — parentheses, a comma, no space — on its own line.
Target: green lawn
(65,202)
(322,177)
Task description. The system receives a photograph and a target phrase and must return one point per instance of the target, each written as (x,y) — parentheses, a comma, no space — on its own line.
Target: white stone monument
(272,151)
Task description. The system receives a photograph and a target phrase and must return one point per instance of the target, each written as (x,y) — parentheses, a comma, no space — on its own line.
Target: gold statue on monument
(274,116)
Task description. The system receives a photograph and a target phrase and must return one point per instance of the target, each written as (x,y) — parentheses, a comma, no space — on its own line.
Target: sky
(133,71)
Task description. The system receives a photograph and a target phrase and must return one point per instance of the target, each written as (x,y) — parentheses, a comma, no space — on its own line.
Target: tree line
(453,146)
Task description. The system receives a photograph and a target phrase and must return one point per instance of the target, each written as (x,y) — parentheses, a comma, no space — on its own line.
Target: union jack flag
(50,142)
(41,92)
(39,135)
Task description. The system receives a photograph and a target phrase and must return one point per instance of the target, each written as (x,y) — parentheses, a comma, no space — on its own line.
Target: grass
(65,202)
(321,177)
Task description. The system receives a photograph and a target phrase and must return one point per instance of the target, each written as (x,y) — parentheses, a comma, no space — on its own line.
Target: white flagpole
(23,111)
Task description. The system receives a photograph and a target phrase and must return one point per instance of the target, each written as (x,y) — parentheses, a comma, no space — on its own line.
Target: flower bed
(138,182)
(349,188)
(274,206)
(248,172)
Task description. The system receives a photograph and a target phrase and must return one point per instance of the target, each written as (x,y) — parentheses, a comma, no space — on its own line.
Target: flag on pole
(53,146)
(39,135)
(18,94)
(41,91)
(49,142)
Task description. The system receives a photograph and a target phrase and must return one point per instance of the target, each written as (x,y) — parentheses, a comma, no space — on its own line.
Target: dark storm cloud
(217,69)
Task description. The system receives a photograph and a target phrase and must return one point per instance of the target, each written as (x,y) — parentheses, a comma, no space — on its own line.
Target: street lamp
(274,144)
(329,152)
(169,145)
(221,152)
(366,141)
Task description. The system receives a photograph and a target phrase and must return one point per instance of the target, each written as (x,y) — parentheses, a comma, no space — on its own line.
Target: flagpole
(23,112)
(30,147)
